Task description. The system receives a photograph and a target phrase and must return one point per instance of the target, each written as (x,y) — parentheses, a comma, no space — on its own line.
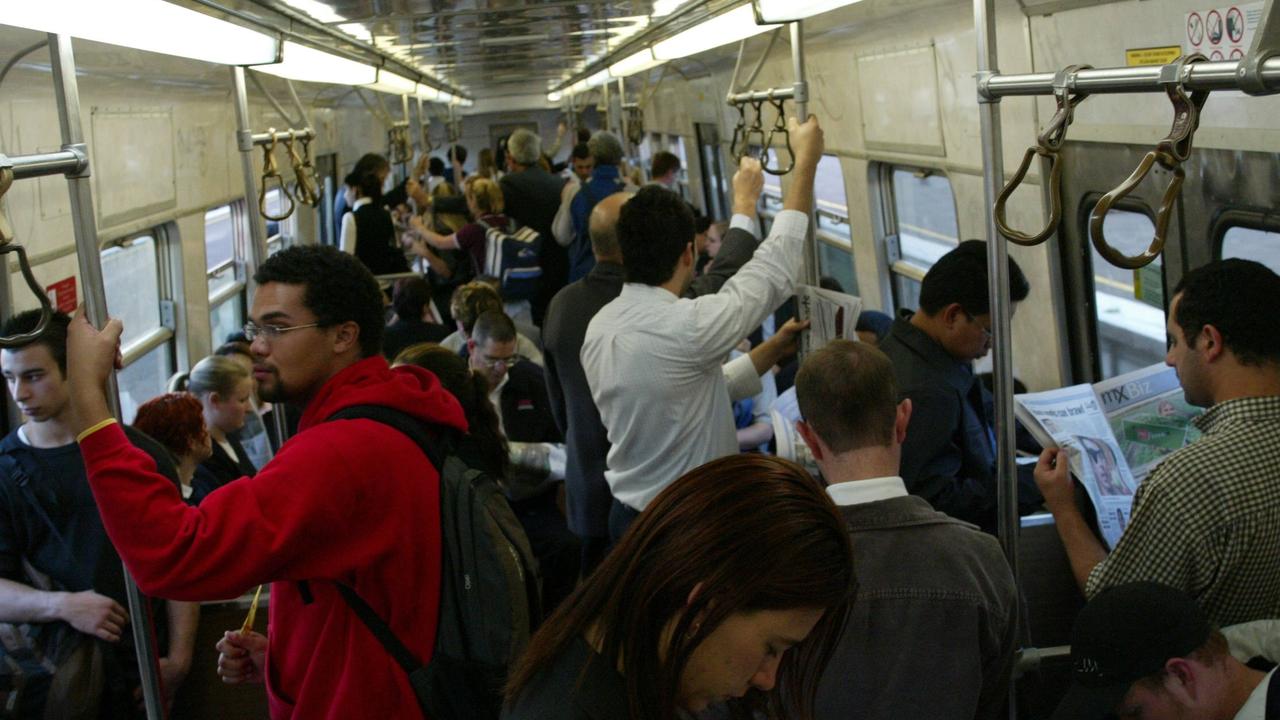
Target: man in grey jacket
(935,624)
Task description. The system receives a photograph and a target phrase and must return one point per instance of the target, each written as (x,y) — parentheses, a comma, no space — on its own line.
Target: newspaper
(831,314)
(1115,432)
(790,445)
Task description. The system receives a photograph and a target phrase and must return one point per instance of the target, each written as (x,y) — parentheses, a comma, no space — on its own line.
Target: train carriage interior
(176,145)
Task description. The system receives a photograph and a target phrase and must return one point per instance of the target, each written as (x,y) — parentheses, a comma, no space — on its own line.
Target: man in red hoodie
(350,500)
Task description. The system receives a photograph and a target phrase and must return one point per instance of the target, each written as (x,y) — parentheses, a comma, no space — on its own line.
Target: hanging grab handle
(1048,145)
(635,125)
(7,246)
(304,191)
(1170,153)
(779,126)
(398,138)
(757,130)
(738,145)
(269,171)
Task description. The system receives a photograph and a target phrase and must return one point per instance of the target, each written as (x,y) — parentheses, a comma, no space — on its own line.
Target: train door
(1116,317)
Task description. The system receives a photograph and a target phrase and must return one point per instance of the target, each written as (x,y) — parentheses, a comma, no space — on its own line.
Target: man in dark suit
(568,316)
(531,196)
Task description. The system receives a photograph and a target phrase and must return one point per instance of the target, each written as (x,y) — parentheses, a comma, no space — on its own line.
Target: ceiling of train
(498,47)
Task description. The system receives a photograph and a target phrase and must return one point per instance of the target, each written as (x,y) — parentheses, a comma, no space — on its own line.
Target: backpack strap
(436,449)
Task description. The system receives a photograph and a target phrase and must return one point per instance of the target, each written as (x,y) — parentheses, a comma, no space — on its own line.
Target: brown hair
(847,395)
(472,300)
(472,392)
(757,533)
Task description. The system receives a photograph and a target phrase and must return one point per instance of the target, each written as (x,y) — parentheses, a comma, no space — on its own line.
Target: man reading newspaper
(1207,518)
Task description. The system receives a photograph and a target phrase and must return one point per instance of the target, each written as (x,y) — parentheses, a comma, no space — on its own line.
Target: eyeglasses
(986,329)
(269,333)
(509,361)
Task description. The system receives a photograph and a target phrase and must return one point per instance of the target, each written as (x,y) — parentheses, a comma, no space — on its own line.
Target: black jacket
(376,243)
(220,469)
(568,316)
(532,197)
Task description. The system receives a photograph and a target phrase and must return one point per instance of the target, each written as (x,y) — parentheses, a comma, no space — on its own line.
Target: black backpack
(488,591)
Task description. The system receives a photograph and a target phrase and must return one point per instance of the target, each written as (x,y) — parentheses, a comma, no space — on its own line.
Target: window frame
(238,287)
(1245,218)
(898,269)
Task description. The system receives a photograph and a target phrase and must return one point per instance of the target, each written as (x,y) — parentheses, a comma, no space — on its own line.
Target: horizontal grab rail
(72,160)
(1213,75)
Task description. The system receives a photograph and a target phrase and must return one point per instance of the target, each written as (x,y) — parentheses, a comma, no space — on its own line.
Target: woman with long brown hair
(730,587)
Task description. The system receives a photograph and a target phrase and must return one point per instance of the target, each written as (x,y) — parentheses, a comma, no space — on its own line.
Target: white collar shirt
(858,492)
(653,363)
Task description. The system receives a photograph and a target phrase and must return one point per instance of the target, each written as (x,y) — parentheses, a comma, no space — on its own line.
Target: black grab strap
(434,446)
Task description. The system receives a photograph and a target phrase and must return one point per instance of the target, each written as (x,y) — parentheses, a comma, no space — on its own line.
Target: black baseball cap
(1124,634)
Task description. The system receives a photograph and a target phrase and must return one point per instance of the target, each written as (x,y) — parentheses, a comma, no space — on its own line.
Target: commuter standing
(532,197)
(933,629)
(351,501)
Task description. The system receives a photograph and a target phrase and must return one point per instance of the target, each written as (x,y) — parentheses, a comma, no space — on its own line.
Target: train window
(135,293)
(835,248)
(223,226)
(921,226)
(1252,244)
(1129,304)
(771,198)
(280,233)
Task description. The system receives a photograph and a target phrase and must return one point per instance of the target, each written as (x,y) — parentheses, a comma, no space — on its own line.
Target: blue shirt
(605,181)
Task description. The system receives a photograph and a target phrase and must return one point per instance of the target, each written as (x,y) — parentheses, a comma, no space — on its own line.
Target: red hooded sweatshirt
(349,500)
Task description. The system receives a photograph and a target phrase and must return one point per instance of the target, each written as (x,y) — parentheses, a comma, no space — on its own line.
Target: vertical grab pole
(86,234)
(998,285)
(257,226)
(802,114)
(404,113)
(623,121)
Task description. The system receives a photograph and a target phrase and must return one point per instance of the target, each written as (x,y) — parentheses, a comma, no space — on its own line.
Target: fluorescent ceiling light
(466,102)
(151,25)
(666,7)
(641,61)
(555,96)
(311,65)
(426,92)
(737,24)
(389,82)
(446,98)
(316,9)
(598,79)
(779,11)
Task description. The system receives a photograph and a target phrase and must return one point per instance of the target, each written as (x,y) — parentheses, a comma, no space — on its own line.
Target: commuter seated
(948,457)
(413,324)
(933,630)
(1207,518)
(225,392)
(516,411)
(469,302)
(730,586)
(1146,650)
(873,326)
(176,420)
(485,203)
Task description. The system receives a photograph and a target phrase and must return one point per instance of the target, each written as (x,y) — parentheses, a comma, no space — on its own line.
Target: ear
(471,346)
(952,313)
(1181,680)
(902,421)
(1210,343)
(347,337)
(687,257)
(811,439)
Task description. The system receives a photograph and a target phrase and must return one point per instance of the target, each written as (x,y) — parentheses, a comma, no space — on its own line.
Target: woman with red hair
(176,420)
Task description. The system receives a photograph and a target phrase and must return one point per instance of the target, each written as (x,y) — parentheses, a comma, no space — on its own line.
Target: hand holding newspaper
(1115,433)
(831,315)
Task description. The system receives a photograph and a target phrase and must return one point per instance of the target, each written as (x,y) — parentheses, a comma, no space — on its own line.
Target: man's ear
(1181,680)
(347,337)
(953,313)
(1209,342)
(902,421)
(816,446)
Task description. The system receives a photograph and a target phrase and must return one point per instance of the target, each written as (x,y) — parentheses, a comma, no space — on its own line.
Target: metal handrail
(1170,153)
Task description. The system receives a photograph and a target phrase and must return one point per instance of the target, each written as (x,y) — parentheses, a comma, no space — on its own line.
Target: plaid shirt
(1207,520)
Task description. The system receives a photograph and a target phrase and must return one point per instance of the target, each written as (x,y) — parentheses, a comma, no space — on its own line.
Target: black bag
(488,591)
(47,670)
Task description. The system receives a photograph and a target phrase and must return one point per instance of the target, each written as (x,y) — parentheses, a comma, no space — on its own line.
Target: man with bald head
(568,315)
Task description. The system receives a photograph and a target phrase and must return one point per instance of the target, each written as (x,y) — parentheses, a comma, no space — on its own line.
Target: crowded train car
(641,359)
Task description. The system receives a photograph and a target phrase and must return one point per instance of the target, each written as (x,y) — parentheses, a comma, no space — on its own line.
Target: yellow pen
(253,611)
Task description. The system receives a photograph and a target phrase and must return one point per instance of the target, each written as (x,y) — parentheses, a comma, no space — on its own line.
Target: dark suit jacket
(568,316)
(532,197)
(220,469)
(403,333)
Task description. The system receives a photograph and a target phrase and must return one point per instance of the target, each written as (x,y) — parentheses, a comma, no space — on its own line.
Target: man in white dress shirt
(652,359)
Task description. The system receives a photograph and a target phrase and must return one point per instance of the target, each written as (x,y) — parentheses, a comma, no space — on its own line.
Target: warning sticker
(1223,33)
(1152,55)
